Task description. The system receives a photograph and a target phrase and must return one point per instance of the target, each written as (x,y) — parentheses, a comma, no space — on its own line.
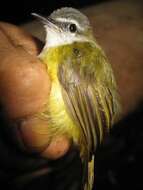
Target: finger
(33,135)
(20,38)
(24,82)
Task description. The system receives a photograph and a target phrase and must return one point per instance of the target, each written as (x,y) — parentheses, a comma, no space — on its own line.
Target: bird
(84,102)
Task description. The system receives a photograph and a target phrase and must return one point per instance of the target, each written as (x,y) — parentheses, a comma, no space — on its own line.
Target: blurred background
(118,26)
(19,11)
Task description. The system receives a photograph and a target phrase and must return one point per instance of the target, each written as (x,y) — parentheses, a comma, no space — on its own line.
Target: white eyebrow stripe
(69,20)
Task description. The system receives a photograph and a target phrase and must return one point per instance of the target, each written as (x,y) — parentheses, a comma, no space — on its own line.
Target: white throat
(54,39)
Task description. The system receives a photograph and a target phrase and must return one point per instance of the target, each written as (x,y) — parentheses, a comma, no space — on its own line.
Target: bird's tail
(90,173)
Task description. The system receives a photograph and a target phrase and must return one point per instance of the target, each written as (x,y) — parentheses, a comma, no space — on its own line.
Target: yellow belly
(59,120)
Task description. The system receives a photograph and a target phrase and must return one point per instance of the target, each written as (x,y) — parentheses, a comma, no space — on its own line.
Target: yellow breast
(58,117)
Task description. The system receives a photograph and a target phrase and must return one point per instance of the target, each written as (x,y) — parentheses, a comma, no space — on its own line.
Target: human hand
(24,91)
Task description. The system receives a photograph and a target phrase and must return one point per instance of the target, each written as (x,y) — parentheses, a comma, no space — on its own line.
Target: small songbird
(84,102)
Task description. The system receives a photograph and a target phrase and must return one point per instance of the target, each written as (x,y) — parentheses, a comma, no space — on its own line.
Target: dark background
(17,12)
(118,160)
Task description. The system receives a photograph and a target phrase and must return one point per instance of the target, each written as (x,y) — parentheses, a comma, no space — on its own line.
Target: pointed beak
(47,21)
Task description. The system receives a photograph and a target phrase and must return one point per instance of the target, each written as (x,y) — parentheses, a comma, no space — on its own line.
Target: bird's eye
(72,28)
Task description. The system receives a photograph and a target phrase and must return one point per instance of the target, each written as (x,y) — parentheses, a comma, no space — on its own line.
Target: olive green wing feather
(92,103)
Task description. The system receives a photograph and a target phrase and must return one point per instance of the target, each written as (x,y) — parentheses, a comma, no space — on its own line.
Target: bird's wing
(92,108)
(92,105)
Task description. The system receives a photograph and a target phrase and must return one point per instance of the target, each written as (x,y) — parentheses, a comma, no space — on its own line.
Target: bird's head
(65,26)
